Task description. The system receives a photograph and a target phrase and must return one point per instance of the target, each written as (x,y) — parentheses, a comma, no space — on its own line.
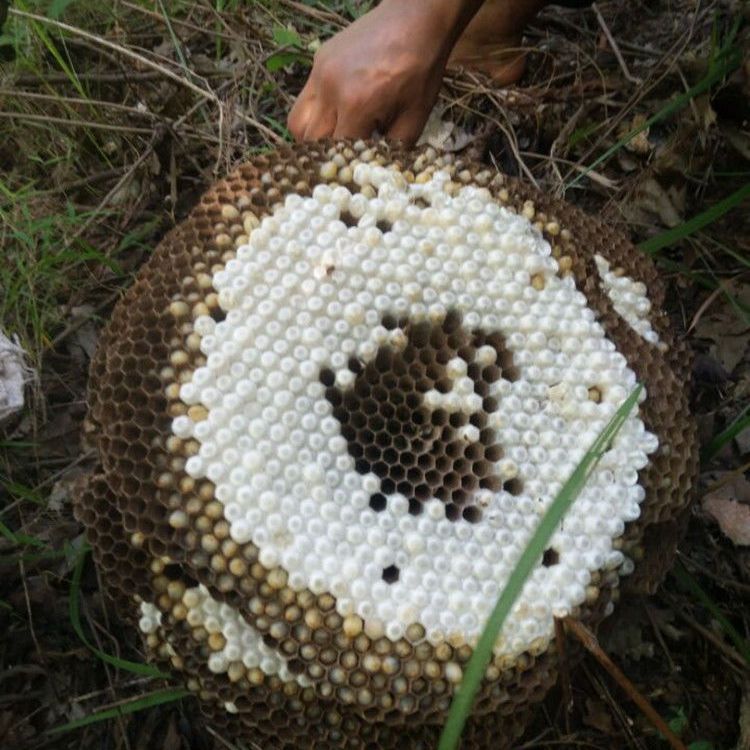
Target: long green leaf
(464,697)
(75,619)
(740,423)
(154,699)
(711,214)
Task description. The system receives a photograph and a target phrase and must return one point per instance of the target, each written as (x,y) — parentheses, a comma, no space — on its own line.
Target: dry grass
(114,118)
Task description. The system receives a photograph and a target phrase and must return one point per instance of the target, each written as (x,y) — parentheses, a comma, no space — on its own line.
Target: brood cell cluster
(376,371)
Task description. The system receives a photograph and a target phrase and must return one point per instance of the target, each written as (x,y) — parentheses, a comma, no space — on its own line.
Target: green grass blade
(728,61)
(145,670)
(740,423)
(154,699)
(464,697)
(687,582)
(711,214)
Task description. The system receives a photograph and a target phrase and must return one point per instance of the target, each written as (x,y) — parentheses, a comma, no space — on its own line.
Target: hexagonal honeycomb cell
(329,414)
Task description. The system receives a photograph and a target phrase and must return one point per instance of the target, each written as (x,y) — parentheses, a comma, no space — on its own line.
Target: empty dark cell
(355,365)
(176,572)
(405,487)
(460,497)
(443,385)
(389,322)
(370,406)
(439,417)
(382,439)
(489,404)
(513,486)
(334,395)
(341,413)
(383,359)
(397,397)
(441,493)
(415,507)
(491,373)
(362,466)
(437,338)
(443,356)
(418,417)
(454,449)
(420,201)
(432,478)
(493,452)
(426,357)
(414,475)
(461,465)
(423,384)
(417,446)
(366,437)
(387,409)
(403,413)
(376,423)
(389,381)
(473,452)
(451,480)
(378,502)
(394,425)
(469,482)
(478,419)
(458,419)
(327,377)
(481,469)
(406,384)
(422,492)
(487,436)
(348,219)
(391,573)
(426,461)
(467,353)
(452,321)
(371,375)
(387,485)
(390,456)
(218,314)
(401,443)
(472,514)
(379,393)
(353,399)
(355,449)
(474,370)
(397,472)
(416,371)
(419,334)
(452,512)
(493,483)
(443,463)
(348,432)
(550,557)
(372,453)
(383,225)
(409,353)
(358,420)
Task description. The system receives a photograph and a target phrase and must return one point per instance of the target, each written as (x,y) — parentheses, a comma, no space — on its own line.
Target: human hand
(383,72)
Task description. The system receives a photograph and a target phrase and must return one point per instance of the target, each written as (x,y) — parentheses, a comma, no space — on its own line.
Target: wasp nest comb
(329,415)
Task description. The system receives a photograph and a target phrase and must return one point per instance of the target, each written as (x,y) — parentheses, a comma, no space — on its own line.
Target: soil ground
(114,117)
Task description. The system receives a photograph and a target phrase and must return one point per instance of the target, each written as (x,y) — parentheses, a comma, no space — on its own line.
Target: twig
(564,671)
(591,644)
(75,123)
(613,46)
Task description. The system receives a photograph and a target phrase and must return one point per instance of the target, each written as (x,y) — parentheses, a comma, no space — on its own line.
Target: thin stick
(28,116)
(564,671)
(613,46)
(591,644)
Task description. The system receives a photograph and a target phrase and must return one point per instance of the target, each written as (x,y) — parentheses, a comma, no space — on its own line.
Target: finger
(408,125)
(355,124)
(300,114)
(320,124)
